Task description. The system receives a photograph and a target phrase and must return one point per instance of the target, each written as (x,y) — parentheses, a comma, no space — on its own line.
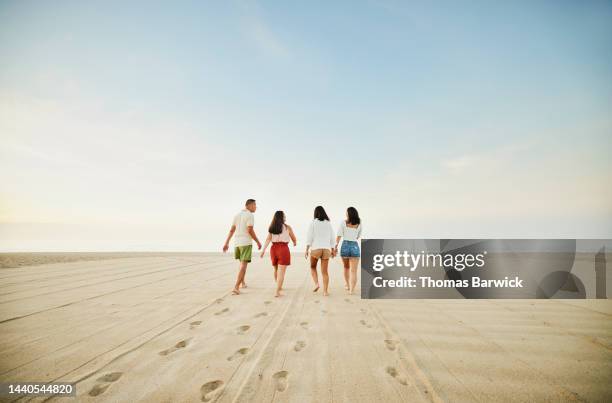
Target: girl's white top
(348,233)
(321,235)
(283,236)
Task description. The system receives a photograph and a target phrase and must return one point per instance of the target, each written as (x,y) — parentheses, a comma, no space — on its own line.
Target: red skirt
(279,253)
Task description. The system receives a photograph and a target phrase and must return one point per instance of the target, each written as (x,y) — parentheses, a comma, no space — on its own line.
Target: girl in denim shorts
(350,231)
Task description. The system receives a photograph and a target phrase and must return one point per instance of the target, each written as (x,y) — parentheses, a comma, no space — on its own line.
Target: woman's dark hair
(320,214)
(353,216)
(276,226)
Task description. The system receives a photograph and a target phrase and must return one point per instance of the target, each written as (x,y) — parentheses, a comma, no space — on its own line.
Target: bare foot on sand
(316,288)
(235,292)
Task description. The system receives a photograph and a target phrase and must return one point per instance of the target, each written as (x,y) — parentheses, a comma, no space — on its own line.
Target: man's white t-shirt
(243,221)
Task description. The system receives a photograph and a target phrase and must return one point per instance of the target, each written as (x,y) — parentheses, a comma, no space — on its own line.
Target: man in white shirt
(242,226)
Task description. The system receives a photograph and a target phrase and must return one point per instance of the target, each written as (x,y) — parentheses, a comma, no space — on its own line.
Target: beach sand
(161,328)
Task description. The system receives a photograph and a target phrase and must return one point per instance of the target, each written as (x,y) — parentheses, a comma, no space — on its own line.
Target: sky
(146,125)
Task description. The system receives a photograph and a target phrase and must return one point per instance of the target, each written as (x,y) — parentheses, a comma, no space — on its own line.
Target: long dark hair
(353,216)
(320,214)
(276,226)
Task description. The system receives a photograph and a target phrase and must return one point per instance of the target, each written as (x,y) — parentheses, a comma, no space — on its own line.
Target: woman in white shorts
(321,246)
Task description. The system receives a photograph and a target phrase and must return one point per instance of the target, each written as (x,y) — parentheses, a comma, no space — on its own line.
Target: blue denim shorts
(349,249)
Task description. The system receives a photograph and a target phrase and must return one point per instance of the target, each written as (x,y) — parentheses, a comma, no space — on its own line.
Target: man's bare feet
(243,285)
(346,287)
(235,292)
(316,288)
(278,294)
(325,293)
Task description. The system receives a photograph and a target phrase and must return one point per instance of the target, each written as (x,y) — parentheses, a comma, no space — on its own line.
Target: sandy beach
(165,328)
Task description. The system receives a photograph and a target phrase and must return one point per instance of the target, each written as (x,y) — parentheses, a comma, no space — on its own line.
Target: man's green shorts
(243,253)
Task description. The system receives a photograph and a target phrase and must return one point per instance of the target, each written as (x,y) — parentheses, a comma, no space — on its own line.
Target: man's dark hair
(249,201)
(320,214)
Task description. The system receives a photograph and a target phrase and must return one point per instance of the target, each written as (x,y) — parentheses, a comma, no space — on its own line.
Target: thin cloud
(259,32)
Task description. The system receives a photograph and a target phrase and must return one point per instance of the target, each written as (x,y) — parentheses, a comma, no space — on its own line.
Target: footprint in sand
(195,324)
(238,353)
(181,344)
(99,389)
(391,344)
(304,325)
(221,312)
(281,381)
(259,315)
(299,345)
(243,329)
(209,389)
(364,323)
(323,311)
(362,311)
(106,381)
(218,300)
(267,302)
(395,374)
(348,301)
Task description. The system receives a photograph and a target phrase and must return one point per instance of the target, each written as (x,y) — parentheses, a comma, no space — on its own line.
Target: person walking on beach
(279,233)
(243,228)
(350,231)
(321,246)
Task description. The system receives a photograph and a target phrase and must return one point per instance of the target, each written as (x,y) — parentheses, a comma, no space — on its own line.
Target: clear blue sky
(459,118)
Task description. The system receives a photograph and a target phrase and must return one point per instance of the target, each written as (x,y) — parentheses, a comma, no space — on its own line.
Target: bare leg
(275,272)
(324,264)
(313,273)
(280,279)
(240,279)
(354,263)
(345,263)
(243,284)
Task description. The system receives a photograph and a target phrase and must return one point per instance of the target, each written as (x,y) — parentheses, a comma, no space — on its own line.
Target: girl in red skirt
(279,234)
